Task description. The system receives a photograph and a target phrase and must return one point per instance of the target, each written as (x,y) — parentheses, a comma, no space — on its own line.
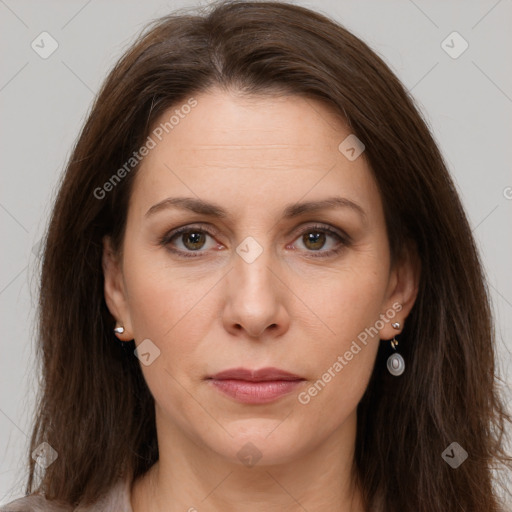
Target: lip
(255,386)
(262,375)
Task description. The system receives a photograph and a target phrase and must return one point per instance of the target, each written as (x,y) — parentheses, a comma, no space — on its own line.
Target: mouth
(255,386)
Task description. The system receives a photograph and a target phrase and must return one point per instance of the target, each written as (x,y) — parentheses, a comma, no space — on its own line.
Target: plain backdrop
(466,100)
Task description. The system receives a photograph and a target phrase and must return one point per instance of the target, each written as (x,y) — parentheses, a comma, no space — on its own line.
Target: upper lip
(261,375)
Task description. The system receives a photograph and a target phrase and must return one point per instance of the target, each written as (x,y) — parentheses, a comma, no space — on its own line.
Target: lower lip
(256,392)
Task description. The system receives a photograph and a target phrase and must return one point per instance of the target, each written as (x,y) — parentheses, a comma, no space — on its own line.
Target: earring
(395,362)
(119,330)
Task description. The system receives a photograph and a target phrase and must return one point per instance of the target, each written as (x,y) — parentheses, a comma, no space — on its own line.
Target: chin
(261,442)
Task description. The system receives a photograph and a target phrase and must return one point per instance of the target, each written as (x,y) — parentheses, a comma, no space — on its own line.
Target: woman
(260,289)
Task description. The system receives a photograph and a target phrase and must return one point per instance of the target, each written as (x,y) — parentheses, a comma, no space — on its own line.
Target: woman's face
(257,281)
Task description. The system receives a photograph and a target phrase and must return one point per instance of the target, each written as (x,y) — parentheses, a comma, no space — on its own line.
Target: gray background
(467,102)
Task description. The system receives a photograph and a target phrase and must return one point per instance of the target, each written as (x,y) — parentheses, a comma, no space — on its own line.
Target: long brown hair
(95,408)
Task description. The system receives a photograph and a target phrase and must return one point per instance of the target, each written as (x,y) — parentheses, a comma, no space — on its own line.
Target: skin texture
(288,309)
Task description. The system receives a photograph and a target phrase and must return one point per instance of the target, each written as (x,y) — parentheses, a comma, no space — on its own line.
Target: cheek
(343,353)
(170,307)
(347,299)
(343,360)
(158,295)
(171,311)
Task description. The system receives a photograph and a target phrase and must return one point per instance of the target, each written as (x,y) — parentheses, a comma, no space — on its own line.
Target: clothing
(117,499)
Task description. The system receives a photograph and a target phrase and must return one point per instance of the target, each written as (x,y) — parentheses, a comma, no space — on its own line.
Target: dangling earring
(395,362)
(119,330)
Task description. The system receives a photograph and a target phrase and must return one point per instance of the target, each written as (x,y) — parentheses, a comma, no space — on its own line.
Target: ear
(402,290)
(114,289)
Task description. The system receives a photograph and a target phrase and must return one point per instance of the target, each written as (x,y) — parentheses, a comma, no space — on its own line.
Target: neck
(192,478)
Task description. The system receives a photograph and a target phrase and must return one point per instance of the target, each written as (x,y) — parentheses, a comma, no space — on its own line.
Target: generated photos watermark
(343,360)
(151,143)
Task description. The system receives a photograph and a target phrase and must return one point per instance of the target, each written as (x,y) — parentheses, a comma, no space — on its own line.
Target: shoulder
(34,503)
(117,498)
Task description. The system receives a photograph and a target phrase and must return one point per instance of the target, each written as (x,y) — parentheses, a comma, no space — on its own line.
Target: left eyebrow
(290,211)
(294,210)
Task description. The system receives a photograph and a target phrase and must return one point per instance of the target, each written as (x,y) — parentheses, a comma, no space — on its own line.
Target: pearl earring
(119,330)
(395,362)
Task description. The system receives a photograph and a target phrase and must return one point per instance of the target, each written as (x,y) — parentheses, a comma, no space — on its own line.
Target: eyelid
(344,238)
(169,236)
(211,230)
(320,226)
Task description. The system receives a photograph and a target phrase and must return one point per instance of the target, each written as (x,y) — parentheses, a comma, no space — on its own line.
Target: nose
(256,299)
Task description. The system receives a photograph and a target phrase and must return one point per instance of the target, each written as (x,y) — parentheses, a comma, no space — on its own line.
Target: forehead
(228,126)
(241,148)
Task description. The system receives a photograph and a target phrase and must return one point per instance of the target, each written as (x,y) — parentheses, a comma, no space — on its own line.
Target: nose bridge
(252,265)
(253,294)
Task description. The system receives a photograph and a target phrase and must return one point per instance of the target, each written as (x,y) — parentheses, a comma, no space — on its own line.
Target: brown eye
(188,241)
(321,241)
(193,240)
(314,240)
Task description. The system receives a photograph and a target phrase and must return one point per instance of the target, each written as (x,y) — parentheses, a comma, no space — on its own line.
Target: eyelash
(344,240)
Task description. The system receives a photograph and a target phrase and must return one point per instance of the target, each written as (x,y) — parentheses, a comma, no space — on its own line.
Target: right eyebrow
(290,211)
